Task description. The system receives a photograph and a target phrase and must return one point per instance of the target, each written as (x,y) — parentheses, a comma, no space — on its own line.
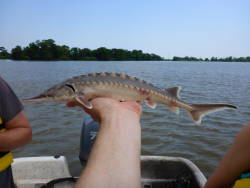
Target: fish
(122,87)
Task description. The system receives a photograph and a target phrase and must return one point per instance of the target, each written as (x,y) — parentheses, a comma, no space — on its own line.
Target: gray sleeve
(10,105)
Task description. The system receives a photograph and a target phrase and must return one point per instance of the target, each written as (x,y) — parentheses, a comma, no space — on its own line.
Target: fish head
(61,92)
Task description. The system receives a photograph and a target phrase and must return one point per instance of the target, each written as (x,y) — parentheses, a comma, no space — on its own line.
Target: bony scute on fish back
(122,87)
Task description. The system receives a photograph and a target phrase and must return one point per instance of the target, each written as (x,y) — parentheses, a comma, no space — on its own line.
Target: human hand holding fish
(104,108)
(122,87)
(115,155)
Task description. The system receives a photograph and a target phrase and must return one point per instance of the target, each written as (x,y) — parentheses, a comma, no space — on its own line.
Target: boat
(156,172)
(53,171)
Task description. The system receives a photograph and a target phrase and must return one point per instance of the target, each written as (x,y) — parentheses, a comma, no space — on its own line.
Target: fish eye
(70,86)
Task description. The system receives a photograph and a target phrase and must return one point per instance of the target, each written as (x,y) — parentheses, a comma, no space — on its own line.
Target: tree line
(226,59)
(48,50)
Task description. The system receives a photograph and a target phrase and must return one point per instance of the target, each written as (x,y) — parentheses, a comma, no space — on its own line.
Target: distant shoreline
(127,60)
(47,50)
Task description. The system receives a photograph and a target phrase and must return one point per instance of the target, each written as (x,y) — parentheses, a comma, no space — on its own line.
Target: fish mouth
(39,98)
(47,98)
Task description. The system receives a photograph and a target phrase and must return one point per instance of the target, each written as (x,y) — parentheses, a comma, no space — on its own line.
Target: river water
(56,129)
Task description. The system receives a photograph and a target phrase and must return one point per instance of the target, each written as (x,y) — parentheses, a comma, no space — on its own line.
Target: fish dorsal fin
(174,91)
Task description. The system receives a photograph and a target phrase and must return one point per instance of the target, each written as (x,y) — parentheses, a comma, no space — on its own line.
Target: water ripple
(56,129)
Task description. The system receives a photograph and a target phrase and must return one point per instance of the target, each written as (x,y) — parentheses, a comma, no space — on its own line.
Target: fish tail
(198,111)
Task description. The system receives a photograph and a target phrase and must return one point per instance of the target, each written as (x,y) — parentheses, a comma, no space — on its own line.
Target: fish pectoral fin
(150,103)
(174,109)
(83,101)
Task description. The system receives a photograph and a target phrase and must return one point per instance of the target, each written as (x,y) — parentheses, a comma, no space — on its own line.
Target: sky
(199,28)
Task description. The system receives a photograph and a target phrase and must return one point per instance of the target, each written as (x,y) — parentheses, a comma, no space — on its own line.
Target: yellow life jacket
(6,158)
(242,183)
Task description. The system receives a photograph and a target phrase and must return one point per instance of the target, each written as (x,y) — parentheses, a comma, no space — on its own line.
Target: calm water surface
(56,129)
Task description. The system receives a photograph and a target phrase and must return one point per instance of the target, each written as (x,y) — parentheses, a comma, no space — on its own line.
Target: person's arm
(115,157)
(17,128)
(235,162)
(18,133)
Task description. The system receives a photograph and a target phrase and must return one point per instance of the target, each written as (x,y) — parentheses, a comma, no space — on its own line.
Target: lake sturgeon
(122,87)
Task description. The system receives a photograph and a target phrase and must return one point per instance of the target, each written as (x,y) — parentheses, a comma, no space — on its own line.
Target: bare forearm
(235,162)
(115,157)
(14,138)
(18,133)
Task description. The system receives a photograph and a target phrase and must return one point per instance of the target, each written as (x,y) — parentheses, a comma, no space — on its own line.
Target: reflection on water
(56,129)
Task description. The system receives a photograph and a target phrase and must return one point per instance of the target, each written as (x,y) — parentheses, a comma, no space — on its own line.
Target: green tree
(102,54)
(63,52)
(75,53)
(4,53)
(33,51)
(17,53)
(87,54)
(214,59)
(48,50)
